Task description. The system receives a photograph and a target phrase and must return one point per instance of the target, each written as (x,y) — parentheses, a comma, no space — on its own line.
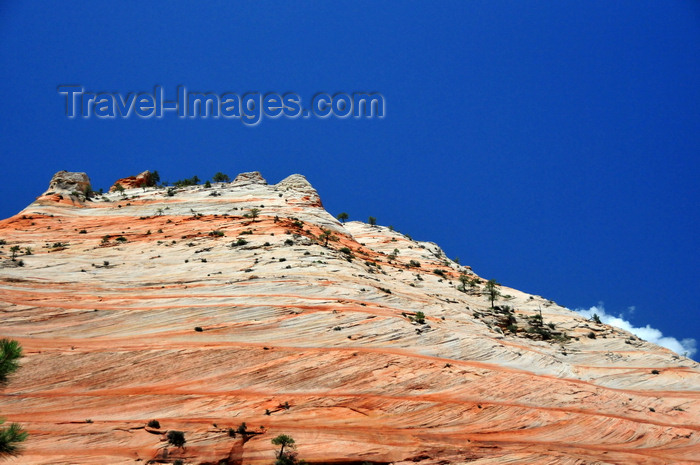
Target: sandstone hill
(246,302)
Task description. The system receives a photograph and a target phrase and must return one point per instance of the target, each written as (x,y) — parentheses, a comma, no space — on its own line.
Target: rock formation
(359,342)
(249,179)
(144,179)
(65,182)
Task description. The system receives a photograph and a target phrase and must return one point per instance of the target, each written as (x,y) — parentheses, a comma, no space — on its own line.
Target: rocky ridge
(248,302)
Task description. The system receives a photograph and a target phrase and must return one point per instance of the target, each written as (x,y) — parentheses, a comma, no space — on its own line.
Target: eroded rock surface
(143,179)
(247,179)
(66,182)
(185,310)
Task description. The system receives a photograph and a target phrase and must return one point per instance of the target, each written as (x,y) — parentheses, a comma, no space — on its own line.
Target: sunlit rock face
(143,179)
(65,182)
(248,302)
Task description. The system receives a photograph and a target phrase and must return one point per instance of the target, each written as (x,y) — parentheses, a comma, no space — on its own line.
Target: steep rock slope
(247,302)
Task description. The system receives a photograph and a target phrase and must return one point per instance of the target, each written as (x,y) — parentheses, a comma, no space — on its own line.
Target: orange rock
(308,337)
(144,179)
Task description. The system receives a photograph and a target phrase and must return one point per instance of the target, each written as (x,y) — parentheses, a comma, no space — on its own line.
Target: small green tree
(491,290)
(327,235)
(287,457)
(10,353)
(14,250)
(154,179)
(89,193)
(253,213)
(372,221)
(343,217)
(119,188)
(465,280)
(207,184)
(10,438)
(221,177)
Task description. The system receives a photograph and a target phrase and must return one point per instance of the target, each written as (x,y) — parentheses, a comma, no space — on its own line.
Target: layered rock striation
(203,308)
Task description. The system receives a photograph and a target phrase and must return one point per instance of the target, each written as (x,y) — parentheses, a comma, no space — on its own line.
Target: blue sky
(551,145)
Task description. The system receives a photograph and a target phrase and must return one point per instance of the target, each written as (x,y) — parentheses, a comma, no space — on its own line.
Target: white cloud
(685,346)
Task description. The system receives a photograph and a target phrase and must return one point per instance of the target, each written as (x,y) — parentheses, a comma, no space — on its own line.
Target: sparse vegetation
(176,438)
(288,456)
(154,424)
(193,181)
(343,217)
(10,353)
(253,213)
(12,435)
(154,179)
(466,280)
(327,235)
(372,221)
(492,291)
(221,177)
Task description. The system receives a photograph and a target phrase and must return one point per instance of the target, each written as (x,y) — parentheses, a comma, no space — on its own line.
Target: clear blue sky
(551,145)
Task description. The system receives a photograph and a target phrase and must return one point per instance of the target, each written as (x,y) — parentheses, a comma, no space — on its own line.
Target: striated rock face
(66,182)
(247,179)
(141,180)
(298,184)
(183,310)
